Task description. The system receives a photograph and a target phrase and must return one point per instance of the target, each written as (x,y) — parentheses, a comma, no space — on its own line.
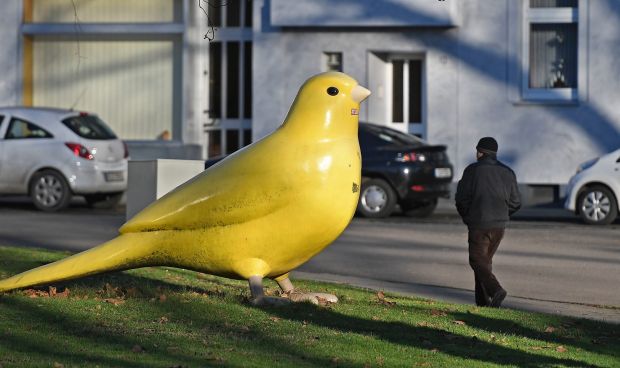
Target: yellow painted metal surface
(262,211)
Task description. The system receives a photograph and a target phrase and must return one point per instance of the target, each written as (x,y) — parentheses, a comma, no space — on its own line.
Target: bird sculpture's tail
(121,253)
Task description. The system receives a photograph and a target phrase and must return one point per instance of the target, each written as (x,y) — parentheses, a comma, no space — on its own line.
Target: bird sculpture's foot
(270,301)
(297,296)
(314,298)
(258,295)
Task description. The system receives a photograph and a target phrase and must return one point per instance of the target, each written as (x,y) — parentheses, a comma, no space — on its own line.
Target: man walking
(486,196)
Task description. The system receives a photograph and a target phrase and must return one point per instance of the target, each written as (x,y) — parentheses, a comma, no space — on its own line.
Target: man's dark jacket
(487,194)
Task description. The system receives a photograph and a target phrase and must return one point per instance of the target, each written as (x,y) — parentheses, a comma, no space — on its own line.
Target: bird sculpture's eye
(332,91)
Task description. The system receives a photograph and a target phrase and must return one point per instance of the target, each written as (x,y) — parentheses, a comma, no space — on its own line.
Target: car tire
(424,209)
(377,199)
(597,205)
(103,200)
(49,191)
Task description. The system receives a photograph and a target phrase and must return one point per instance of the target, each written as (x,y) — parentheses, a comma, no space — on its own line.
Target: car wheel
(377,199)
(423,209)
(103,200)
(49,191)
(597,206)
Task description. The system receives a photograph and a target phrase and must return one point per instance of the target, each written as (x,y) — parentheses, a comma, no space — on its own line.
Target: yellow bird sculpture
(260,213)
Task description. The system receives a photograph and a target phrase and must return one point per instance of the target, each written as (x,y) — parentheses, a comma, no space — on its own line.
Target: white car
(53,154)
(593,192)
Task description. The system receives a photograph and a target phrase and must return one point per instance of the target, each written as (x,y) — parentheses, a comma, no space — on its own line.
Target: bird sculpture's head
(327,104)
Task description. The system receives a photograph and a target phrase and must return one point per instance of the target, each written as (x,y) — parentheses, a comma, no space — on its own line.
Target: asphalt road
(548,261)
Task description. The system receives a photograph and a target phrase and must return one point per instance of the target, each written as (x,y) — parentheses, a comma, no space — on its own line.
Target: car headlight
(586,165)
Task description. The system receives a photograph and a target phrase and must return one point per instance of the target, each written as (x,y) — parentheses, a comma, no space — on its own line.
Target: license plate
(443,172)
(114,176)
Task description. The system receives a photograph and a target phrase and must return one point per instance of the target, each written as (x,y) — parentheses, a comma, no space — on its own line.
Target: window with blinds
(103,11)
(129,83)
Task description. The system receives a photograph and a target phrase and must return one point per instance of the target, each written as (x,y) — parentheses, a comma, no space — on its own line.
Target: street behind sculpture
(261,212)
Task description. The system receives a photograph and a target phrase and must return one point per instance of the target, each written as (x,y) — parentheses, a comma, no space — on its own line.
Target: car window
(21,129)
(89,127)
(379,135)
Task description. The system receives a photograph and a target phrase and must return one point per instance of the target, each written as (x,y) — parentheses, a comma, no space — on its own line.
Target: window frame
(560,15)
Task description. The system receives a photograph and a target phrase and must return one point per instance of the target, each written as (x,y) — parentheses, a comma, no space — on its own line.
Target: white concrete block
(152,179)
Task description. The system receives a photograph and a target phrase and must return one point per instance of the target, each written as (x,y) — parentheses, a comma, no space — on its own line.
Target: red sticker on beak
(354,112)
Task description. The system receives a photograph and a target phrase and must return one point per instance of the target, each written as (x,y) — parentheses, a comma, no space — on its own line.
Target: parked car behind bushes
(54,154)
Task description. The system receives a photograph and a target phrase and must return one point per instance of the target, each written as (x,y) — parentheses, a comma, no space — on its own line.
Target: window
(89,127)
(1,120)
(229,77)
(407,95)
(332,61)
(20,129)
(398,81)
(551,50)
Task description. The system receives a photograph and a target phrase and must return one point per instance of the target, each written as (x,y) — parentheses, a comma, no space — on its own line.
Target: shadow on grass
(422,337)
(587,331)
(54,328)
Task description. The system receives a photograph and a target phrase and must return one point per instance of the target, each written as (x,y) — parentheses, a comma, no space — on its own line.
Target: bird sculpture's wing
(244,186)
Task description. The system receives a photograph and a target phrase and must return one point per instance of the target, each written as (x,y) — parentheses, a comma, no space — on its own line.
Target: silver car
(53,154)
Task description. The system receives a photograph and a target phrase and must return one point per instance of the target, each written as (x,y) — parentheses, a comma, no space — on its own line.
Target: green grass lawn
(165,317)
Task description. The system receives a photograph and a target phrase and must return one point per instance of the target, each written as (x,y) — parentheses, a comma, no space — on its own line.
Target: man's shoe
(498,298)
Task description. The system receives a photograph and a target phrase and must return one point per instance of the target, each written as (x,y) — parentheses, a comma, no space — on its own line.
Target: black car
(397,168)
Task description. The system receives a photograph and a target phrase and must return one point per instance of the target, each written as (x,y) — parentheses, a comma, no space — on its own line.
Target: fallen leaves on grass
(114,301)
(50,293)
(458,322)
(560,349)
(382,300)
(438,313)
(549,329)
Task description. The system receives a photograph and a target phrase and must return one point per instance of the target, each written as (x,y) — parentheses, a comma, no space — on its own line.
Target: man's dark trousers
(482,246)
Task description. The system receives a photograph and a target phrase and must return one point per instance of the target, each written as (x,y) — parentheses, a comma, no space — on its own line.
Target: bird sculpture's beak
(359,93)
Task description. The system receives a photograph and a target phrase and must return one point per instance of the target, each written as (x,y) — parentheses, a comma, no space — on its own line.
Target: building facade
(540,76)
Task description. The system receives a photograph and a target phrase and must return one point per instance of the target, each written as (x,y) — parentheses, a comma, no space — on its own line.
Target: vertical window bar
(405,83)
(247,137)
(241,80)
(232,140)
(214,10)
(248,13)
(397,91)
(215,80)
(232,84)
(415,91)
(247,87)
(215,143)
(233,13)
